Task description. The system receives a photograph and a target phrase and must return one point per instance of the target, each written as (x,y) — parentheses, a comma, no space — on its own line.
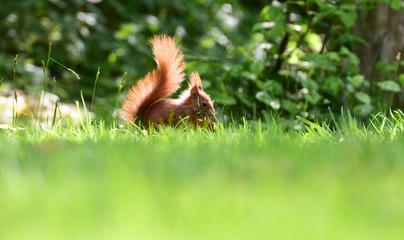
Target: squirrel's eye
(204,104)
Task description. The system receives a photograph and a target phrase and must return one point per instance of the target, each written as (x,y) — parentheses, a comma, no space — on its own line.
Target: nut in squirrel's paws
(212,125)
(209,124)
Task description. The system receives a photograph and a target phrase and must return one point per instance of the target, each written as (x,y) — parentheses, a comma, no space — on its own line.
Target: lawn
(249,181)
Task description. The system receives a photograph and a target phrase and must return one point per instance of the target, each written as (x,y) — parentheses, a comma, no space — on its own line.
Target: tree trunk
(383,29)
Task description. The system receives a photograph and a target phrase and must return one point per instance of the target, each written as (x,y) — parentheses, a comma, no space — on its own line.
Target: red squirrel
(146,101)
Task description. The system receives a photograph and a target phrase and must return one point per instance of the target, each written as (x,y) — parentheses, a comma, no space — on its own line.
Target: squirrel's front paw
(212,125)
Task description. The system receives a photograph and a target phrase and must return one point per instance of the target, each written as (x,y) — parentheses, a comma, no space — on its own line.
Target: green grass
(252,181)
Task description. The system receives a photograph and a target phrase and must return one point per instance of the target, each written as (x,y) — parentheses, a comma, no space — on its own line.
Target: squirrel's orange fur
(146,101)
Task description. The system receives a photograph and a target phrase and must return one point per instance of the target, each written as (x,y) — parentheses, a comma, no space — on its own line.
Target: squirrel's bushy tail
(160,83)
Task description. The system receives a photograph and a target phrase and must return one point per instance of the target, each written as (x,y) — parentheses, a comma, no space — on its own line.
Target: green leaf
(401,79)
(226,100)
(222,97)
(314,41)
(198,66)
(385,68)
(268,100)
(257,67)
(248,75)
(264,97)
(333,56)
(246,99)
(396,4)
(263,26)
(363,109)
(313,98)
(389,85)
(274,87)
(265,11)
(271,12)
(260,84)
(332,85)
(289,106)
(363,97)
(278,30)
(207,43)
(347,15)
(310,57)
(310,84)
(356,80)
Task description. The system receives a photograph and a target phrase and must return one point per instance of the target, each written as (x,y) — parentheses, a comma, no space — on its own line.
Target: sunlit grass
(249,181)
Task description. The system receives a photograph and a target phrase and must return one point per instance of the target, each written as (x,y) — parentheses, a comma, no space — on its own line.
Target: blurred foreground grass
(238,183)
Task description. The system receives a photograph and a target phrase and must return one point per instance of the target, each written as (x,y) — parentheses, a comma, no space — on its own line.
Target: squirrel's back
(160,83)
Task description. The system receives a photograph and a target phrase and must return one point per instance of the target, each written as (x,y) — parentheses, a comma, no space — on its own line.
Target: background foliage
(256,57)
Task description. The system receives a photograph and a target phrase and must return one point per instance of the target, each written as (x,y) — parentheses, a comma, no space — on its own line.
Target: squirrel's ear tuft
(194,92)
(195,80)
